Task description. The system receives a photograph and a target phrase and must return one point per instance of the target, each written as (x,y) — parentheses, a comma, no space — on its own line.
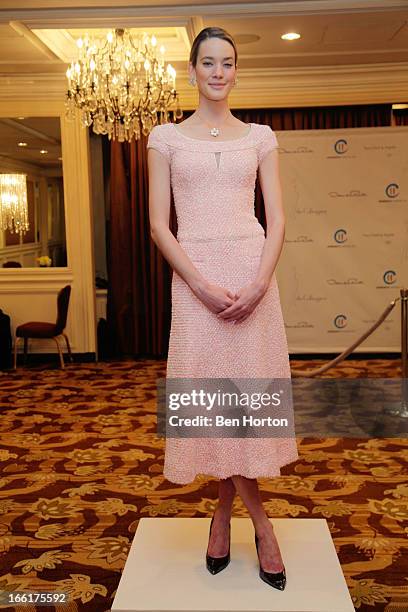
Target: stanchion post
(404,336)
(400,408)
(404,356)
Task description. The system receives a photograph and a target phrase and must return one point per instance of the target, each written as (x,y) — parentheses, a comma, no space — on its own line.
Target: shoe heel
(217,564)
(277,580)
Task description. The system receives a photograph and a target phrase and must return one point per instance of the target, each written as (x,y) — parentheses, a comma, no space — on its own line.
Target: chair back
(62,305)
(12,264)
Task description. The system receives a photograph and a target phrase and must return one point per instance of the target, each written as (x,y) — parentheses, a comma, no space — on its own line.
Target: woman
(226,314)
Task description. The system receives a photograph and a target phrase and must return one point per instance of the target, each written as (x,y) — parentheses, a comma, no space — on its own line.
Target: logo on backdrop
(393,193)
(311,298)
(341,146)
(390,276)
(311,211)
(301,239)
(390,279)
(385,235)
(392,190)
(340,236)
(340,321)
(340,239)
(300,325)
(352,193)
(389,282)
(341,324)
(351,280)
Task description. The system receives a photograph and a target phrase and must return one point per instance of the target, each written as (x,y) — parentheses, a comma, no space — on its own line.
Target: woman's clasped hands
(233,307)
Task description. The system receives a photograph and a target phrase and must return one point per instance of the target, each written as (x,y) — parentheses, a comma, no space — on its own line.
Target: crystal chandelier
(13,203)
(121,86)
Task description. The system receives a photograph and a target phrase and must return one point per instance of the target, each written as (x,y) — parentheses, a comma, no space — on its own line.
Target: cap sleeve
(268,143)
(155,141)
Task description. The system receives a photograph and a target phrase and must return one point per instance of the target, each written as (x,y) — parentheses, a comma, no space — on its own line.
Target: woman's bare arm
(269,181)
(214,297)
(159,214)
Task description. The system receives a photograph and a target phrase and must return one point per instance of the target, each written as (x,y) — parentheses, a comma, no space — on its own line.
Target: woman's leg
(219,537)
(269,553)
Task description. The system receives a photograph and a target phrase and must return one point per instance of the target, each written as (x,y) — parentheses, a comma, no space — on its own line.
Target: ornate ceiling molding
(102,12)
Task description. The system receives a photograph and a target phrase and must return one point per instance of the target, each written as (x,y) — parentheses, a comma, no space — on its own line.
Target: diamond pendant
(214,131)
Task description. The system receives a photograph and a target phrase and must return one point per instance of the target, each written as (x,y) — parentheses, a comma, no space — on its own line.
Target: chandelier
(13,203)
(121,86)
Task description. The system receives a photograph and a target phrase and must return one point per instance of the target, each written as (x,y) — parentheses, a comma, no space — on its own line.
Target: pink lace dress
(213,187)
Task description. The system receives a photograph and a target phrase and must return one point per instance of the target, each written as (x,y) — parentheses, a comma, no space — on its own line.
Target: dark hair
(207,33)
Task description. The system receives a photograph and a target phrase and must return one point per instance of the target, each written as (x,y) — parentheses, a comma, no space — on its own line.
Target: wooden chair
(40,329)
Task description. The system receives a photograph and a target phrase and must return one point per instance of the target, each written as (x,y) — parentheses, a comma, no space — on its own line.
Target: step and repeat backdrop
(345,255)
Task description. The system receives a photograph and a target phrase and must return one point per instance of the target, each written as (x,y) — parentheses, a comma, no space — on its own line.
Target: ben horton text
(225,400)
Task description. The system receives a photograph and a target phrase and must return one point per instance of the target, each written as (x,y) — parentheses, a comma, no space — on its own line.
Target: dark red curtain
(401,116)
(139,289)
(139,279)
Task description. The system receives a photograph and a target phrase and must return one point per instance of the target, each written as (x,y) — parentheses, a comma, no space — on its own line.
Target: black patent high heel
(277,579)
(217,564)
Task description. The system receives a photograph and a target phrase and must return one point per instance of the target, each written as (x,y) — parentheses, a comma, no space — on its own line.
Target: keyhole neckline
(215,140)
(217,158)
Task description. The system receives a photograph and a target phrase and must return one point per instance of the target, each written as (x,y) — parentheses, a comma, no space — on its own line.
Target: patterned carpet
(80,464)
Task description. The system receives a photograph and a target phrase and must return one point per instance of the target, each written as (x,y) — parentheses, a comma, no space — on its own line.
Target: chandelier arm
(106,85)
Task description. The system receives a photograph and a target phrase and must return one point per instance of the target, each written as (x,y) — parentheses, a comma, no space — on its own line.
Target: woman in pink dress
(226,312)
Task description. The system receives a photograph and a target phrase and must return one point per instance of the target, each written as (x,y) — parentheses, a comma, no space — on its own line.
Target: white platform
(166,571)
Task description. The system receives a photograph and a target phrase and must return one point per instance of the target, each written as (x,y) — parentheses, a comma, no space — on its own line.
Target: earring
(192,81)
(236,80)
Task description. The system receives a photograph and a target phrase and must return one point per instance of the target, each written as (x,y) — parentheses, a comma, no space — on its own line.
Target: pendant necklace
(214,131)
